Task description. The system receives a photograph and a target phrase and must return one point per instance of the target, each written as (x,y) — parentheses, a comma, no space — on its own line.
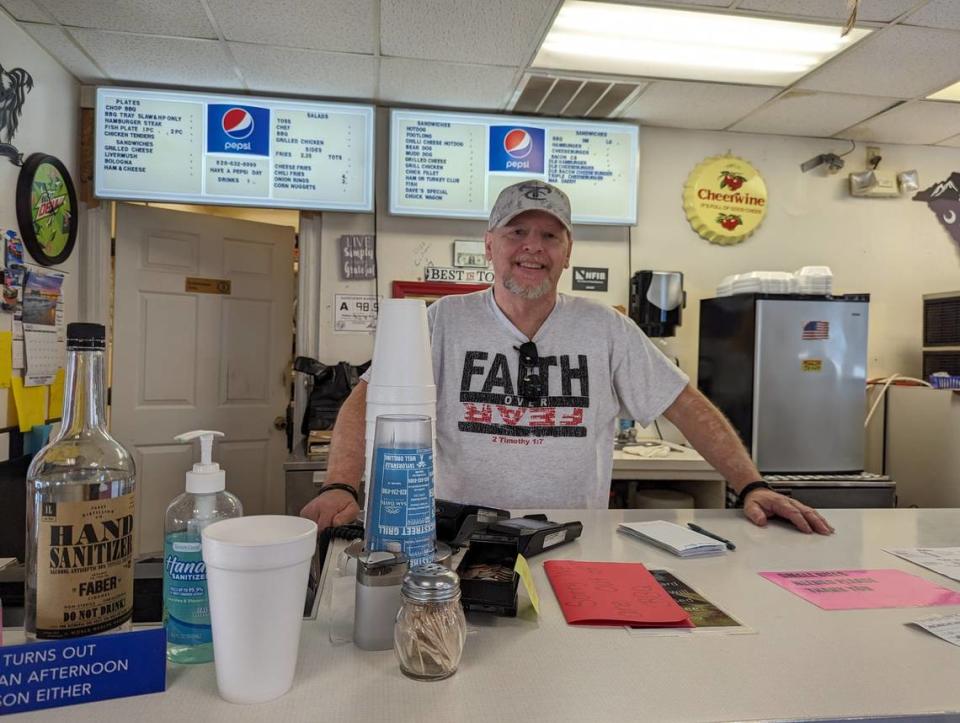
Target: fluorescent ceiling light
(663,43)
(951,92)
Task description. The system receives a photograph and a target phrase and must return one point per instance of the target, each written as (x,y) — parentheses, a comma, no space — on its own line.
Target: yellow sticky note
(55,408)
(523,570)
(6,358)
(29,401)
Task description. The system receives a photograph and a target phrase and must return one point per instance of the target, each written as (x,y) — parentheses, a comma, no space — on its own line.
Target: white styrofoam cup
(381,394)
(257,572)
(401,347)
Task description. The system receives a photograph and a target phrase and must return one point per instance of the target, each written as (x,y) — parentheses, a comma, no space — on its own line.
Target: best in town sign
(725,199)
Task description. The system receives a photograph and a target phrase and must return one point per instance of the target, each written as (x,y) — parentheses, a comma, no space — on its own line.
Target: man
(530,383)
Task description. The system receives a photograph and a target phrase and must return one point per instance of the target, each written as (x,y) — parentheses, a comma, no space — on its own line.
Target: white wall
(50,123)
(893,249)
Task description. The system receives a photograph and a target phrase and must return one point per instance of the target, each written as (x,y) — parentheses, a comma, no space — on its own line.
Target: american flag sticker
(813,330)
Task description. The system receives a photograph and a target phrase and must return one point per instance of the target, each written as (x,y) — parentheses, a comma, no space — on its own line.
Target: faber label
(725,199)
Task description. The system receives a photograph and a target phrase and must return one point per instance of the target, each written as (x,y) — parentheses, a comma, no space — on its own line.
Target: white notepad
(674,538)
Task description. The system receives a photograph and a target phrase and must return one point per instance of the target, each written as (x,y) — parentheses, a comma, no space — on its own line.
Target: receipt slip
(669,536)
(613,593)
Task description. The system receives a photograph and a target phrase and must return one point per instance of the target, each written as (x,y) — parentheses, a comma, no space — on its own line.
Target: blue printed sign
(402,507)
(517,149)
(82,670)
(238,129)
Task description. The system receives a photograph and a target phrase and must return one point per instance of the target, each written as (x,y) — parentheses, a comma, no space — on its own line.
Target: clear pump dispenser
(186,608)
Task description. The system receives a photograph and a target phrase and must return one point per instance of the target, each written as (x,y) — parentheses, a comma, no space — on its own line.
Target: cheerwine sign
(725,199)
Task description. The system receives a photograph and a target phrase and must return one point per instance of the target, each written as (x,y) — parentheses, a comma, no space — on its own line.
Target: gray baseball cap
(530,196)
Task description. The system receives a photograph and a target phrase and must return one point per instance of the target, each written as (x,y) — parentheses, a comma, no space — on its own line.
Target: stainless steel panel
(847,497)
(810,393)
(301,487)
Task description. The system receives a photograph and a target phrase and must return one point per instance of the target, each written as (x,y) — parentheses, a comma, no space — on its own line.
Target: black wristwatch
(340,486)
(759,484)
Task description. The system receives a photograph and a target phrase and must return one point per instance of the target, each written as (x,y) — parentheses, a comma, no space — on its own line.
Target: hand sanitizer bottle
(186,609)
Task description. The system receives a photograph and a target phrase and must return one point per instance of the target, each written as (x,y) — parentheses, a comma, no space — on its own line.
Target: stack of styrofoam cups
(401,378)
(257,573)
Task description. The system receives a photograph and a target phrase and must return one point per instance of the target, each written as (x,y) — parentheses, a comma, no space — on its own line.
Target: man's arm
(713,437)
(345,464)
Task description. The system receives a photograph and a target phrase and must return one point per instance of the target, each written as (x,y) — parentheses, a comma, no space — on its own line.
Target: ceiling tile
(807,113)
(705,106)
(153,59)
(881,11)
(306,72)
(185,18)
(339,25)
(491,32)
(954,142)
(482,87)
(922,122)
(26,10)
(937,14)
(56,42)
(914,62)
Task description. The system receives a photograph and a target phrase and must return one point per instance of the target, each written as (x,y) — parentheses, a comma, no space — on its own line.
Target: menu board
(455,164)
(233,150)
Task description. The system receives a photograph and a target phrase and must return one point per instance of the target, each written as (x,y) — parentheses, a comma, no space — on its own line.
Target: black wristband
(340,486)
(759,484)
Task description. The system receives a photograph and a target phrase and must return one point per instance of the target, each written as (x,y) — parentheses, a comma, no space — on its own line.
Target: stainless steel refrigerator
(789,371)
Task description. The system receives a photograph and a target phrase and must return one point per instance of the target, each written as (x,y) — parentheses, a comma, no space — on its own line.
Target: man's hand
(762,504)
(331,509)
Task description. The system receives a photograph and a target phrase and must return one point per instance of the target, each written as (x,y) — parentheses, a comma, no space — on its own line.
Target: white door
(186,359)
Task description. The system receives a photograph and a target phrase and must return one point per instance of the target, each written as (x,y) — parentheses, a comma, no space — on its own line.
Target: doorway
(202,339)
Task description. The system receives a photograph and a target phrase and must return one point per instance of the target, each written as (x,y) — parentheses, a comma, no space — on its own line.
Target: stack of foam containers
(814,280)
(758,282)
(401,377)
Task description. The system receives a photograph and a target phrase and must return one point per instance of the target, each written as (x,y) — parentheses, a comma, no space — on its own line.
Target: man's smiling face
(529,253)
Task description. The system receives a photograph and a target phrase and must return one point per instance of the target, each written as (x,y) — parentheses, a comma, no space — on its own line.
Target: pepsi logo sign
(516,149)
(237,123)
(517,143)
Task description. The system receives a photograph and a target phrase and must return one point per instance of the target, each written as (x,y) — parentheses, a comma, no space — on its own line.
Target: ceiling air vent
(573,97)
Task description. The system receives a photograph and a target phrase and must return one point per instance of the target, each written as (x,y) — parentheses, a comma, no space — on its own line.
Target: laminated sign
(725,199)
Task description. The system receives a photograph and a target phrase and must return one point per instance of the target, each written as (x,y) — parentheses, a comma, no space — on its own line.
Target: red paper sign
(613,593)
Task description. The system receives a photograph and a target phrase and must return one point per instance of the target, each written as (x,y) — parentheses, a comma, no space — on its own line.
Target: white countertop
(802,662)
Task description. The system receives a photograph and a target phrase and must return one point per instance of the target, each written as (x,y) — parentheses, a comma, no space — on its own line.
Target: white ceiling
(472,54)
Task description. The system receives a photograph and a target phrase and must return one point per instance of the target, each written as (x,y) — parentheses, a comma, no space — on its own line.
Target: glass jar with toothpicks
(431,629)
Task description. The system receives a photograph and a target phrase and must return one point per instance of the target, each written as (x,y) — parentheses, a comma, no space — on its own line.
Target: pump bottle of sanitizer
(186,609)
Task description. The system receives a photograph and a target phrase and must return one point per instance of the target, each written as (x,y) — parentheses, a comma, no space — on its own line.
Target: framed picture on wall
(47,209)
(430,291)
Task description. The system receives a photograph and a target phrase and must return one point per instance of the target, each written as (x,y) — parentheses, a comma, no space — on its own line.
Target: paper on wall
(44,356)
(29,402)
(6,358)
(18,352)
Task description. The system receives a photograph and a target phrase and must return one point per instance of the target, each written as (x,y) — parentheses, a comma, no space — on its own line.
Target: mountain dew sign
(725,199)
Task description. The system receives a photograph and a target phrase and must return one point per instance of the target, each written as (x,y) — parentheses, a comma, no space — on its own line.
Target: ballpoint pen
(697,528)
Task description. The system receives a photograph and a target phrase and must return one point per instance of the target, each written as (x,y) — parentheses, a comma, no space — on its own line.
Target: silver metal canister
(379,575)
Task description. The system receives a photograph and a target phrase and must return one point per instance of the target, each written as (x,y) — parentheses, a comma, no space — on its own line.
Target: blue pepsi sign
(238,129)
(82,670)
(516,148)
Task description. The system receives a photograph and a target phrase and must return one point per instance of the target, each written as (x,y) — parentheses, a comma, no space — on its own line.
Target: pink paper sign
(863,589)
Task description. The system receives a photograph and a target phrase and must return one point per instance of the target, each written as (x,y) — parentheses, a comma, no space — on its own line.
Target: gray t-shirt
(519,444)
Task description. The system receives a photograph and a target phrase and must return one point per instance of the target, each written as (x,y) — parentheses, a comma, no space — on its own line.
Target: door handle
(279,422)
